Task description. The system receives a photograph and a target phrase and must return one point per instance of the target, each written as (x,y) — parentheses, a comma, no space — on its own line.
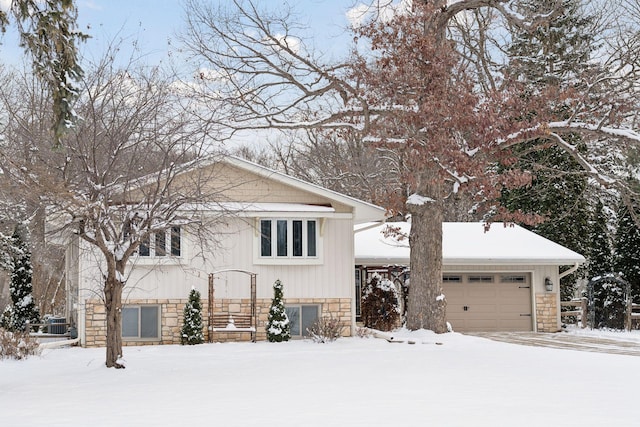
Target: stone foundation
(171,312)
(172,318)
(547,312)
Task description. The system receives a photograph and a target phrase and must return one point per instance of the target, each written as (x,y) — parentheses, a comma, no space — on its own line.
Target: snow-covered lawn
(466,381)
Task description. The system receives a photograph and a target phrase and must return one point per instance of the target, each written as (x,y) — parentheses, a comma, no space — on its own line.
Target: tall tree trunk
(427,306)
(113,304)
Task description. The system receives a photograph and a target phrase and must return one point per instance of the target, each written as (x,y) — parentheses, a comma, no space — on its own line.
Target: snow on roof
(465,243)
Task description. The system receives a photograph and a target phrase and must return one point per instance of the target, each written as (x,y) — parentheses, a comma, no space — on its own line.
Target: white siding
(169,279)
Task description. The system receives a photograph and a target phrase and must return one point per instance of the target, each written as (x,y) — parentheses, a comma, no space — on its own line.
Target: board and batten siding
(170,279)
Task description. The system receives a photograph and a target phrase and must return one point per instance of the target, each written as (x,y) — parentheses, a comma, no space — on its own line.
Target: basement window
(301,317)
(141,322)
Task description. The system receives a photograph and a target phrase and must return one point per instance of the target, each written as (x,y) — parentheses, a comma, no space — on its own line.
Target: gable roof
(362,211)
(465,243)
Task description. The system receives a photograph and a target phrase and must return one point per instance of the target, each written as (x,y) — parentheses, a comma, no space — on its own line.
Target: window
(480,279)
(301,317)
(289,238)
(358,292)
(161,244)
(141,322)
(513,278)
(450,278)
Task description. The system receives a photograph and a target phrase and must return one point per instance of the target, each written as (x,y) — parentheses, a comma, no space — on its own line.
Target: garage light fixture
(548,284)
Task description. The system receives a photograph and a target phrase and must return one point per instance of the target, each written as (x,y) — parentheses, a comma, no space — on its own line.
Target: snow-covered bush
(325,329)
(192,327)
(609,305)
(17,345)
(278,328)
(380,308)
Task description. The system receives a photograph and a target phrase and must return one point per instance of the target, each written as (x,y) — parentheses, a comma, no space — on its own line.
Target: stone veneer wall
(339,308)
(547,312)
(172,318)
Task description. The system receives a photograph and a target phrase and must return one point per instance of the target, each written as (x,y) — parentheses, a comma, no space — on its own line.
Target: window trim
(158,320)
(297,238)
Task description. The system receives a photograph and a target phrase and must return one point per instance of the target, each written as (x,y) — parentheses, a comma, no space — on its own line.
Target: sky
(466,381)
(153,24)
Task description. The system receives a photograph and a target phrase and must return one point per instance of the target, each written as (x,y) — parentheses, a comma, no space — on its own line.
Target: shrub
(192,326)
(380,304)
(17,345)
(278,328)
(325,329)
(609,304)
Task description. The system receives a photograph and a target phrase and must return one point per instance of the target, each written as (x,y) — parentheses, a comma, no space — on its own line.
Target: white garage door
(488,302)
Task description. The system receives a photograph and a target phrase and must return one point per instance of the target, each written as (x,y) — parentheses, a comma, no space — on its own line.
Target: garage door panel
(491,305)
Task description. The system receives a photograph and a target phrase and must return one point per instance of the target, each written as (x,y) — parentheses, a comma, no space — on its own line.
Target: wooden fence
(579,306)
(633,315)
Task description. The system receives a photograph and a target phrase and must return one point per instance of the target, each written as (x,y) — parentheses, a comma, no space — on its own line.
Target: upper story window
(162,243)
(288,238)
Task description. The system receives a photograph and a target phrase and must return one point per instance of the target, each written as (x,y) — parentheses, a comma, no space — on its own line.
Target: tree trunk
(113,305)
(427,306)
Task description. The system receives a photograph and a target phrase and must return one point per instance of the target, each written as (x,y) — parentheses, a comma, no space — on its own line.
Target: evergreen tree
(600,254)
(608,297)
(552,55)
(23,307)
(555,52)
(558,194)
(278,328)
(627,251)
(192,327)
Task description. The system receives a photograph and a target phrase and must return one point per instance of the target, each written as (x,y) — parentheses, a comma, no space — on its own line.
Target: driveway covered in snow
(610,342)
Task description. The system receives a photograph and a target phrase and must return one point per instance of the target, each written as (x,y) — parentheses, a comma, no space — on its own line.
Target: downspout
(569,271)
(368,227)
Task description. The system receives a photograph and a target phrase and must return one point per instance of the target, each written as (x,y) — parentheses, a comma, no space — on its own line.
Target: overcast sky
(153,24)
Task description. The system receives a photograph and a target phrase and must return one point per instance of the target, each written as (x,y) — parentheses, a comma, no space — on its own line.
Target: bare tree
(120,175)
(408,86)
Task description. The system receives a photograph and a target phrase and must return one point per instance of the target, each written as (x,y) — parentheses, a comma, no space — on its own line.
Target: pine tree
(627,251)
(558,194)
(23,308)
(551,55)
(608,297)
(600,254)
(555,52)
(192,327)
(278,328)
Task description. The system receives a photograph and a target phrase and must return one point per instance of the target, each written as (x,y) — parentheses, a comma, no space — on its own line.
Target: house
(274,227)
(503,279)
